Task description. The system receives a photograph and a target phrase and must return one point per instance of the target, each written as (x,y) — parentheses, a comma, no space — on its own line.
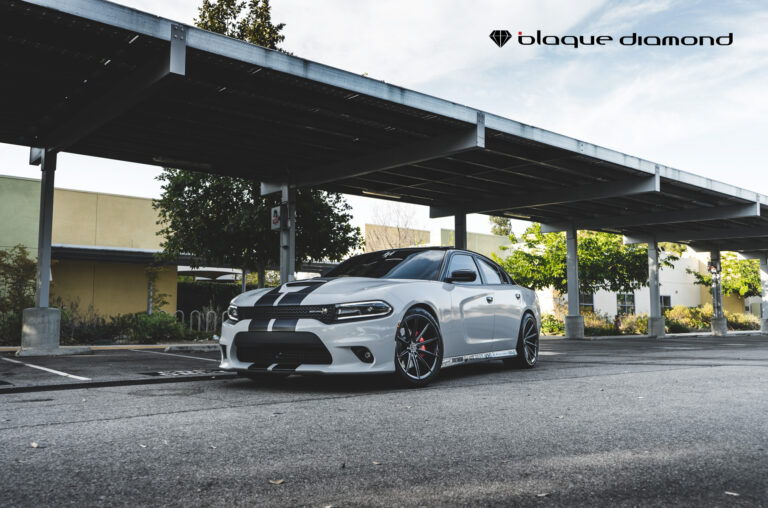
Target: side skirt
(477,357)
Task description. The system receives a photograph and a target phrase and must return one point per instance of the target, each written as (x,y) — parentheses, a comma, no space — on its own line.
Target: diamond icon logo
(500,37)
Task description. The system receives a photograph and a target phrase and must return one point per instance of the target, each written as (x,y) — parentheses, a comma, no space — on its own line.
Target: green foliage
(538,261)
(738,276)
(159,300)
(17,291)
(224,221)
(501,226)
(80,326)
(697,319)
(551,325)
(247,20)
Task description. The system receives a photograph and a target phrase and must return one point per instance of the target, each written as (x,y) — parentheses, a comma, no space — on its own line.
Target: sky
(699,109)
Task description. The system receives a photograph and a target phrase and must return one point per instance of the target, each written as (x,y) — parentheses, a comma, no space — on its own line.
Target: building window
(586,303)
(625,303)
(666,303)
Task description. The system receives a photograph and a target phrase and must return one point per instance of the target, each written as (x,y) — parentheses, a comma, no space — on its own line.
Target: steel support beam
(425,150)
(591,192)
(136,86)
(656,325)
(693,235)
(460,230)
(288,235)
(45,228)
(574,321)
(657,218)
(749,245)
(719,324)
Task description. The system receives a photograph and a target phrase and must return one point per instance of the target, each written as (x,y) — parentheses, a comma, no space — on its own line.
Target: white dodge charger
(408,311)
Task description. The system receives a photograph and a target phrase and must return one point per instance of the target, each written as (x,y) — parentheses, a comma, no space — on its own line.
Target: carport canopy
(100,79)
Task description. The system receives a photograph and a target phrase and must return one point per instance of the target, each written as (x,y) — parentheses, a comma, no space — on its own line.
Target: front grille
(263,349)
(323,313)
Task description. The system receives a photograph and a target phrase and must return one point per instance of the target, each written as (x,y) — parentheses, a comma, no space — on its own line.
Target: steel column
(43,285)
(574,322)
(288,235)
(764,284)
(243,283)
(719,324)
(656,326)
(460,230)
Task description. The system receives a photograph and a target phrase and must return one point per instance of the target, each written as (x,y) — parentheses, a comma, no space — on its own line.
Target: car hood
(327,290)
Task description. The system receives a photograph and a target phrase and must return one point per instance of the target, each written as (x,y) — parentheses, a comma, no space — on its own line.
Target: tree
(538,261)
(224,221)
(255,26)
(737,276)
(394,227)
(17,291)
(501,226)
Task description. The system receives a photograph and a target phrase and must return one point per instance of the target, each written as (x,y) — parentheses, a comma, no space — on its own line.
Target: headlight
(362,310)
(232,312)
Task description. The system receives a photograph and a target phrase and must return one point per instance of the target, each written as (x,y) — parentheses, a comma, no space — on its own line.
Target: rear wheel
(418,348)
(527,345)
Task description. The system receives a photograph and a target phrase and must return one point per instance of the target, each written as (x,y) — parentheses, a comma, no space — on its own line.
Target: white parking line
(47,369)
(174,354)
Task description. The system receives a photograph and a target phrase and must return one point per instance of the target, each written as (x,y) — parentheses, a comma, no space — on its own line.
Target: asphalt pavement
(624,422)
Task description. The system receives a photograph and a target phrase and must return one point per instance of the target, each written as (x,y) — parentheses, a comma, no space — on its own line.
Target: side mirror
(462,276)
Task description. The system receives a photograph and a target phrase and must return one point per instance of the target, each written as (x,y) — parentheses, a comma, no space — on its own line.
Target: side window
(464,262)
(490,274)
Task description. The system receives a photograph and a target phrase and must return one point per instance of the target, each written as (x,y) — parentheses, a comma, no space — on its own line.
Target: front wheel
(418,348)
(527,345)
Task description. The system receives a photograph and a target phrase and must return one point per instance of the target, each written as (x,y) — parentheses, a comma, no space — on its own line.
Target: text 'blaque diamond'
(500,37)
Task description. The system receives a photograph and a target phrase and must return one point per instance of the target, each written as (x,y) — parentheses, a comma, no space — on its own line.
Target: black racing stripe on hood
(258,325)
(284,325)
(269,297)
(297,297)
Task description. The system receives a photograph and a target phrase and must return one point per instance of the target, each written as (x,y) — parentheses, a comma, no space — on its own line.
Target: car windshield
(392,264)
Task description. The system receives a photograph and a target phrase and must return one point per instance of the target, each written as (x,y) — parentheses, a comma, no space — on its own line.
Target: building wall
(88,218)
(108,220)
(110,288)
(19,212)
(481,243)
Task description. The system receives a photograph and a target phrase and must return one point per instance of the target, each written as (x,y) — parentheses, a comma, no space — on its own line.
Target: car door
(472,307)
(508,305)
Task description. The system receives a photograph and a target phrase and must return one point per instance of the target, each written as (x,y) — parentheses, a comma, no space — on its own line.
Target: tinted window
(463,262)
(490,274)
(392,264)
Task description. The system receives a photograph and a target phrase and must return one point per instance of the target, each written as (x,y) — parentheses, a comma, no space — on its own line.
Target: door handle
(489,299)
(517,295)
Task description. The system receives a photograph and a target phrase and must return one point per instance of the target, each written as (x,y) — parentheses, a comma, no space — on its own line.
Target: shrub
(742,321)
(598,325)
(633,324)
(551,325)
(17,291)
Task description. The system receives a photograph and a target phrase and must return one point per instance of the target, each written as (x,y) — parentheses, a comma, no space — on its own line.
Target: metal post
(656,326)
(288,235)
(41,324)
(764,284)
(719,323)
(48,169)
(574,322)
(242,282)
(460,230)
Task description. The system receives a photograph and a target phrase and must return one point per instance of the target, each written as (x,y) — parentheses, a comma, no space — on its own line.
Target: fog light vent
(363,353)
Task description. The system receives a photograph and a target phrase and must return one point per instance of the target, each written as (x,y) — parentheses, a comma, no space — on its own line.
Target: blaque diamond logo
(500,37)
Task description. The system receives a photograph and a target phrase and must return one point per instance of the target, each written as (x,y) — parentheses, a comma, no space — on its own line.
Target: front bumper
(249,350)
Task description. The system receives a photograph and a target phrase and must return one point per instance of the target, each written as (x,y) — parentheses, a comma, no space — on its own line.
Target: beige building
(102,245)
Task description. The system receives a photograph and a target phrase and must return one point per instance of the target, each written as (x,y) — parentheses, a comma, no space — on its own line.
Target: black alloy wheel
(418,348)
(527,345)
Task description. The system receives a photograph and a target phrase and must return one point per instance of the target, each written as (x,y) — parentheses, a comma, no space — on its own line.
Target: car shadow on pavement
(355,383)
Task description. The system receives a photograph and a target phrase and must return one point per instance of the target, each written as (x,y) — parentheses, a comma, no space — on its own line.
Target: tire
(418,349)
(527,345)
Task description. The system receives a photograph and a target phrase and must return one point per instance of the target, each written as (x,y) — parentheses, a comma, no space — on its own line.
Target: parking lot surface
(680,421)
